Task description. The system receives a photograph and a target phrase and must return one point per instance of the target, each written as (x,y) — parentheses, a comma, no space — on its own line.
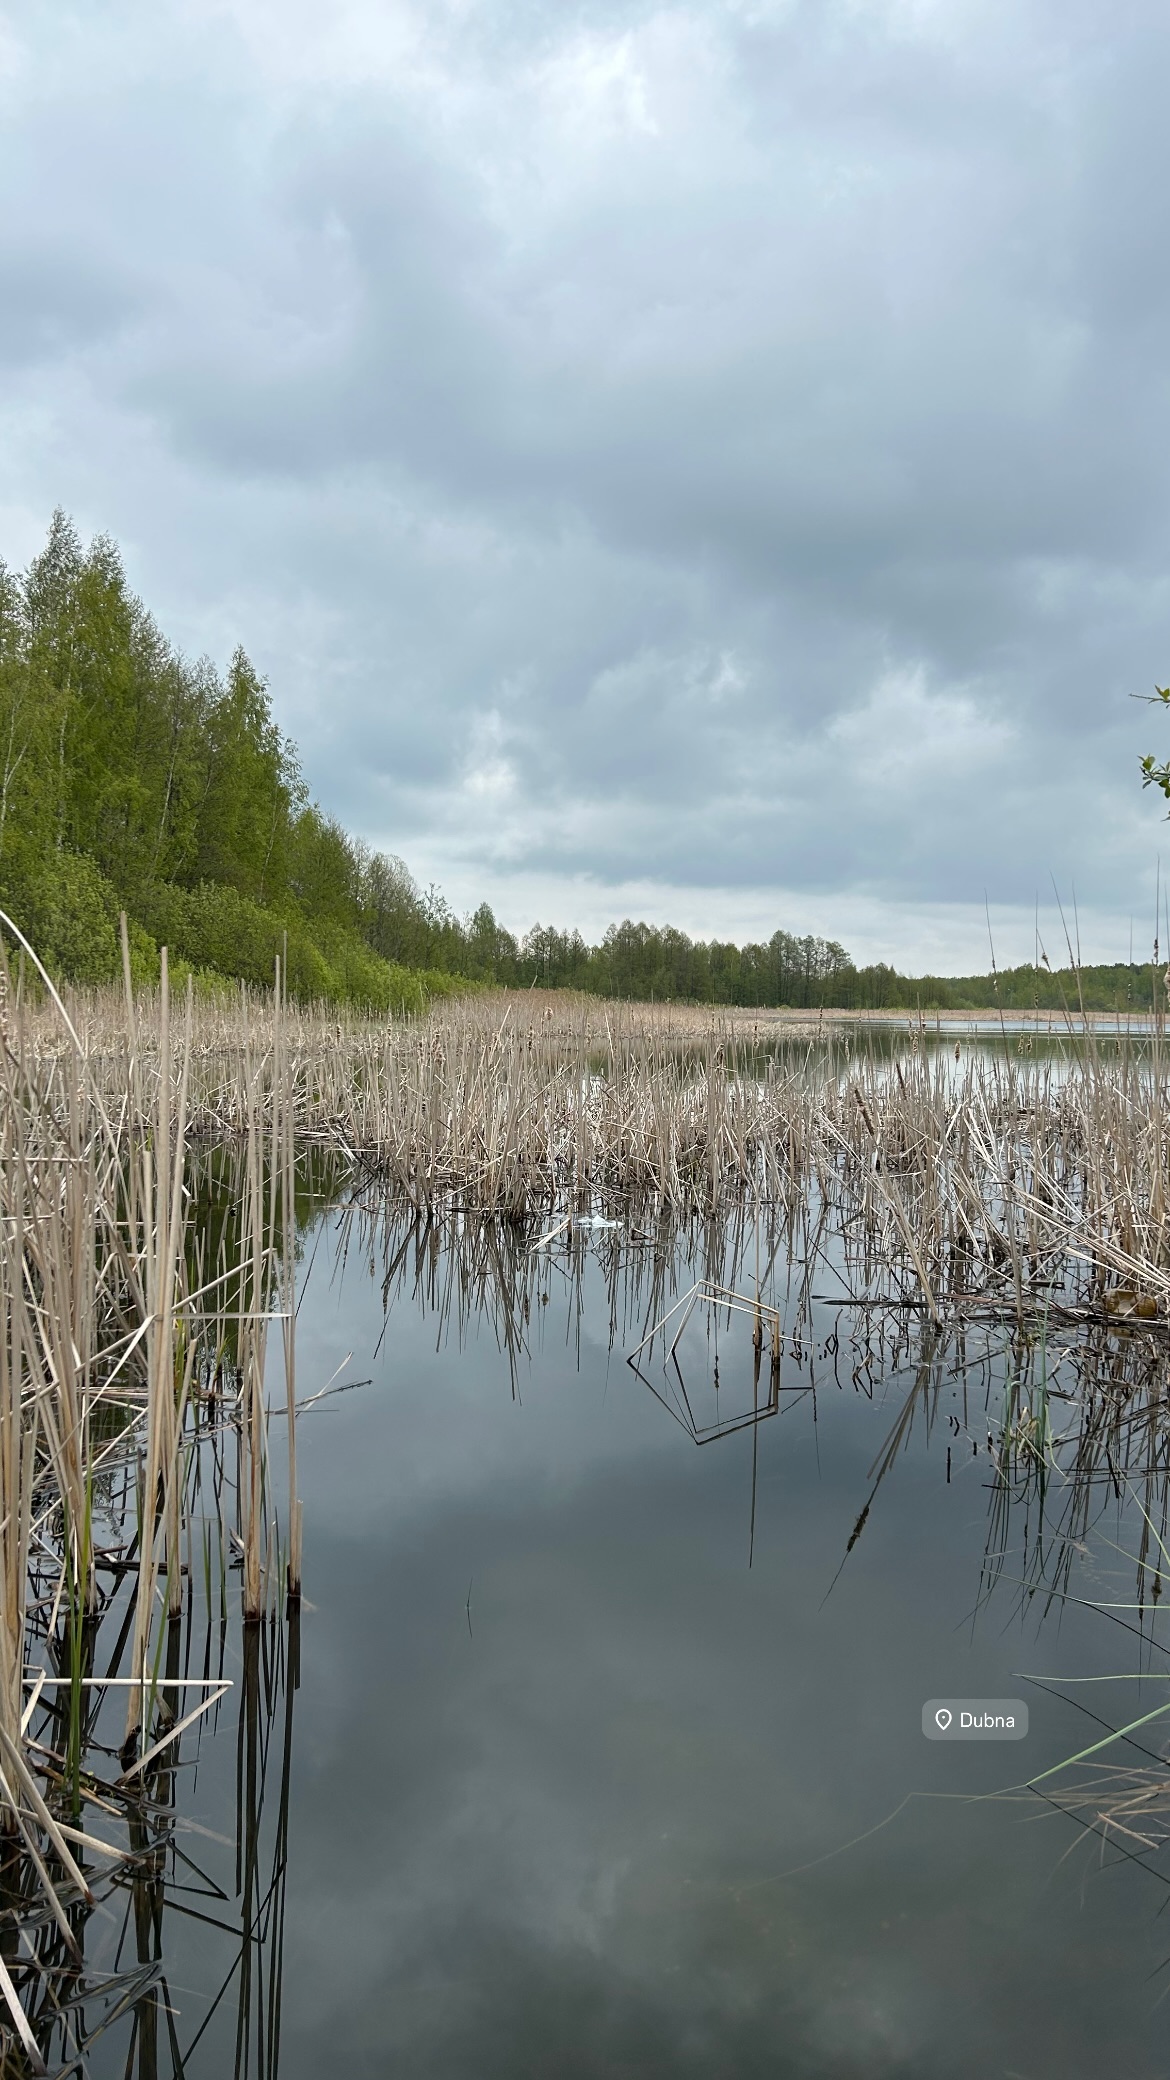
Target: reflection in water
(697,1396)
(656,1712)
(1065,1403)
(1061,1407)
(637,1814)
(99,1988)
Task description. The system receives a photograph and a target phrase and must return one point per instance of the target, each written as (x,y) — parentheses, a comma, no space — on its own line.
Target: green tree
(252,790)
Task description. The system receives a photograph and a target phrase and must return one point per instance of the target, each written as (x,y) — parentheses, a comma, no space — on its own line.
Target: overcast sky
(706,461)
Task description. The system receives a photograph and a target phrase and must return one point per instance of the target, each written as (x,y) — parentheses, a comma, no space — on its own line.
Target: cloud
(696,447)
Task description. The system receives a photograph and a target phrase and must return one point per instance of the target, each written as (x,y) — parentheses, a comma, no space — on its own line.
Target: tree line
(132,779)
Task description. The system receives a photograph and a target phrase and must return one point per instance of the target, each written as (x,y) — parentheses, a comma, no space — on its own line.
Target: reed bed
(955,1178)
(133,1340)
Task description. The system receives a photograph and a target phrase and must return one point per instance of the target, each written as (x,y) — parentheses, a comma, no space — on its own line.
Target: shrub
(69,912)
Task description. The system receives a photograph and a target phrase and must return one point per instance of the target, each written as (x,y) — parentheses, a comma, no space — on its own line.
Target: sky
(703,462)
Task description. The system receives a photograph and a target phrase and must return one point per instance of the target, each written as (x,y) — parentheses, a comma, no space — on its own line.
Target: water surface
(573,1782)
(606,1758)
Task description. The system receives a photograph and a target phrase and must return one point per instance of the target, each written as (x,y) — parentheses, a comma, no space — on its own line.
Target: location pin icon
(942,1719)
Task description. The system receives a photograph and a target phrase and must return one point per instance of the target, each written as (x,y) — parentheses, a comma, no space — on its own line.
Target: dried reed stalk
(106,1319)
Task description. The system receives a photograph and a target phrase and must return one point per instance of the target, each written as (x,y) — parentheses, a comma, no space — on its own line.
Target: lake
(606,1755)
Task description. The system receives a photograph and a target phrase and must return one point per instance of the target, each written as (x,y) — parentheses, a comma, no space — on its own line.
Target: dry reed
(111,1333)
(993,1173)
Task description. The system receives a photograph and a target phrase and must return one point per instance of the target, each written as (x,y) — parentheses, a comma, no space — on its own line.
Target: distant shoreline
(983,1016)
(980,1021)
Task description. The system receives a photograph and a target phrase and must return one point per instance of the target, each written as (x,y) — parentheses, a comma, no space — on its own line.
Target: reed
(122,1361)
(991,1171)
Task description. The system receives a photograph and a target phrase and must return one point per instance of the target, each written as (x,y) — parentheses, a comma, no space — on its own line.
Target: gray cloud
(706,449)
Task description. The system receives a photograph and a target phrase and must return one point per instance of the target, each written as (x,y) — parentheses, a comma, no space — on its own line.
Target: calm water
(575,1790)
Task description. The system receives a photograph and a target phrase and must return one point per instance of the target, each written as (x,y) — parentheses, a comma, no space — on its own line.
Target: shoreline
(811,1020)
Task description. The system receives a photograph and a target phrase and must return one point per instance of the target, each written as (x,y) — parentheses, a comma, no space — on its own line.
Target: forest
(134,780)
